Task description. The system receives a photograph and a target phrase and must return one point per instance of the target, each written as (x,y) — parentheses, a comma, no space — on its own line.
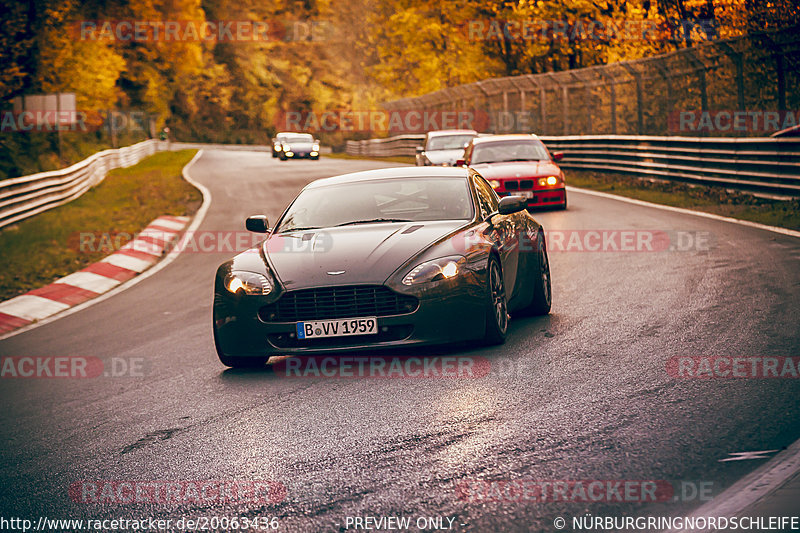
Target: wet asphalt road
(582,394)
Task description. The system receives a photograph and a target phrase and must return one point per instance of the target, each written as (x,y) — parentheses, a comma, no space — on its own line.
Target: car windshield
(449,142)
(496,152)
(298,139)
(383,200)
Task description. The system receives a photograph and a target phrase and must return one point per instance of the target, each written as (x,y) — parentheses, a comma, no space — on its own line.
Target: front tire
(242,362)
(542,291)
(238,362)
(497,306)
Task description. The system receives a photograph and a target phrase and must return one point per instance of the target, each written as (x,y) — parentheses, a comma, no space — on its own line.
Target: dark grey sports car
(378,259)
(298,146)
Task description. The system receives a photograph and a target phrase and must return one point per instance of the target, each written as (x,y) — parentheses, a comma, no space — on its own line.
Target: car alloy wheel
(497,313)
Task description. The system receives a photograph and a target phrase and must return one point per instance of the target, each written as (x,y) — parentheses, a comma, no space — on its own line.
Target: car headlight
(552,180)
(494,183)
(436,270)
(247,282)
(278,147)
(315,147)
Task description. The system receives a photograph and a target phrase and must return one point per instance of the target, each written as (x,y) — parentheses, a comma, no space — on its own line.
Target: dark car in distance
(519,164)
(297,146)
(381,259)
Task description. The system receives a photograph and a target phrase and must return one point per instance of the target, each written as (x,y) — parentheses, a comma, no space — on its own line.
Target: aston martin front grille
(337,302)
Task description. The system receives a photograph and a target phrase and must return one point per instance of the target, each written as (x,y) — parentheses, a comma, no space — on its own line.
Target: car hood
(517,169)
(440,157)
(363,254)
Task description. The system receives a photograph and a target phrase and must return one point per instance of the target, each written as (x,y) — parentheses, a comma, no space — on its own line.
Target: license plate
(319,329)
(525,194)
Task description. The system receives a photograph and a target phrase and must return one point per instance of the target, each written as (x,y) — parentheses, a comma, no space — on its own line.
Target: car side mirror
(558,156)
(460,162)
(420,149)
(257,224)
(512,204)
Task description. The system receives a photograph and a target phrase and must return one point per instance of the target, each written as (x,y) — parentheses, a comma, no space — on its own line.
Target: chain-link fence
(744,86)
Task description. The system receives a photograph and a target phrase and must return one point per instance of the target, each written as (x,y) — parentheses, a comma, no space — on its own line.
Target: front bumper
(301,155)
(541,197)
(239,332)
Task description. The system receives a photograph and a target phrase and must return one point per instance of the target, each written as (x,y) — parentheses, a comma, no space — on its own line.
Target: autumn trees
(319,55)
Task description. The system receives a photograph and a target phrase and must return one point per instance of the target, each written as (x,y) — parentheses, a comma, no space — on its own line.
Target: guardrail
(391,146)
(755,164)
(26,196)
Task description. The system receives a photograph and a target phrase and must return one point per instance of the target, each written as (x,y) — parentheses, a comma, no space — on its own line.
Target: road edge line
(169,258)
(750,489)
(774,229)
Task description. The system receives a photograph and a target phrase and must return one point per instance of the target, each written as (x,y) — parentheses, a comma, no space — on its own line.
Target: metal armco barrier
(756,164)
(26,196)
(391,146)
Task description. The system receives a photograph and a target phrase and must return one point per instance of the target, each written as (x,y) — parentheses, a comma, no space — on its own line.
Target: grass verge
(717,200)
(45,247)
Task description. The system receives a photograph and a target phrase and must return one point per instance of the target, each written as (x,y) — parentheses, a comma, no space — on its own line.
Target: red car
(519,165)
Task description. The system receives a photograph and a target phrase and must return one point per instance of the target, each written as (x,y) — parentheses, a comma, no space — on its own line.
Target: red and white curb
(135,257)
